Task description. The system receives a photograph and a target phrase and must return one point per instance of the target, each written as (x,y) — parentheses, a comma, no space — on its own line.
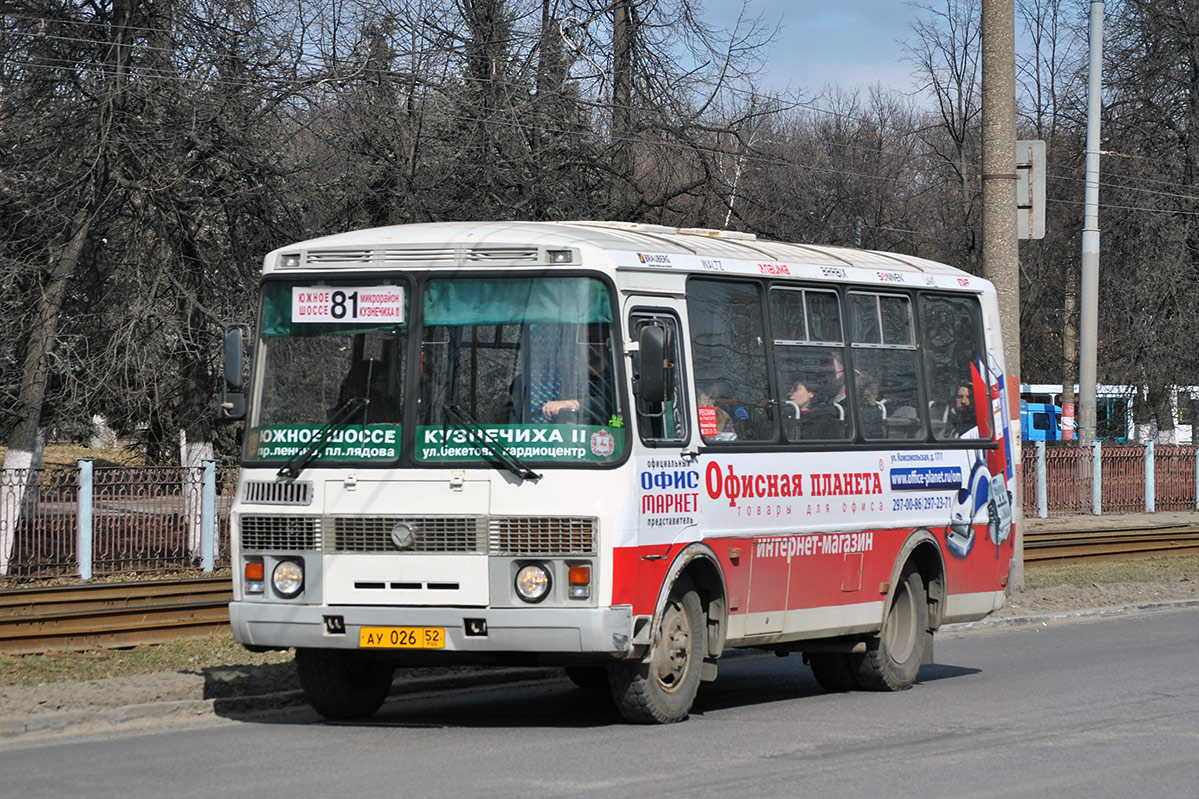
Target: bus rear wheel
(894,656)
(661,688)
(341,683)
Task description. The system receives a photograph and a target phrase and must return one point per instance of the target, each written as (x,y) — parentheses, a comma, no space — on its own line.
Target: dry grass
(98,664)
(64,456)
(1146,570)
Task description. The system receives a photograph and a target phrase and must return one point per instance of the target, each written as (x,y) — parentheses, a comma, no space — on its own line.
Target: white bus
(620,448)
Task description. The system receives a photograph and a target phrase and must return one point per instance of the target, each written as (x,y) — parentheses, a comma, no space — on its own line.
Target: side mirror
(235,349)
(232,404)
(651,383)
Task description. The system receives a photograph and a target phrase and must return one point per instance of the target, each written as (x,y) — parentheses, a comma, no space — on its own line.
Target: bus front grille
(288,533)
(521,536)
(450,534)
(542,535)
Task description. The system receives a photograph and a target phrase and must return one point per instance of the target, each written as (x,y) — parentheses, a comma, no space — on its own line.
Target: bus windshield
(530,362)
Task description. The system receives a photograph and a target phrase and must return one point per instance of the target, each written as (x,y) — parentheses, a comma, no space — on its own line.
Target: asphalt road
(1107,707)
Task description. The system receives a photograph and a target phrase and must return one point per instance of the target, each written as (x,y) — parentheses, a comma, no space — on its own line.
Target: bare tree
(945,51)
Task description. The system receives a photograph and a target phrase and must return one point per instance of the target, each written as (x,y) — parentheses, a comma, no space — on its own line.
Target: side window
(728,341)
(885,375)
(955,369)
(808,360)
(665,422)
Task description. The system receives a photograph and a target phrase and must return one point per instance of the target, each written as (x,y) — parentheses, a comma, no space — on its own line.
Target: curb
(1092,613)
(247,706)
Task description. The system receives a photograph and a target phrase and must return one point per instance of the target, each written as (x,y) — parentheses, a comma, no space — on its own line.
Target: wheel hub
(670,659)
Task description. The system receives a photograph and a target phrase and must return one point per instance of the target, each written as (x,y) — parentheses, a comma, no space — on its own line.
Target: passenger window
(728,341)
(955,369)
(809,364)
(885,370)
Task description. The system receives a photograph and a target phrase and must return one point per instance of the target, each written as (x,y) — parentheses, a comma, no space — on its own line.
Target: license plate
(401,638)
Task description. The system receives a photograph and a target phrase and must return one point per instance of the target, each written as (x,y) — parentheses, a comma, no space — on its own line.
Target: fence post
(208,517)
(84,518)
(1097,478)
(1042,490)
(1197,477)
(1150,483)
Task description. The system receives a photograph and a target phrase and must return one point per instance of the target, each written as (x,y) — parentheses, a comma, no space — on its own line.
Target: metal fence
(109,521)
(1065,479)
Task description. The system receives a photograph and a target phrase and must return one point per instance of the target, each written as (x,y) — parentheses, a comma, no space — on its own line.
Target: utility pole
(1001,258)
(1088,333)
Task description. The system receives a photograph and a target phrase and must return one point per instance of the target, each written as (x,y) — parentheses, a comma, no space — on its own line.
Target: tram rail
(123,614)
(1091,545)
(112,615)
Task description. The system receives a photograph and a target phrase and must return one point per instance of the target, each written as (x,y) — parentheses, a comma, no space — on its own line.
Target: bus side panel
(806,571)
(821,530)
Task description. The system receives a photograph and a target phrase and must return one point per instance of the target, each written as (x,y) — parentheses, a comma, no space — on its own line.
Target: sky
(850,43)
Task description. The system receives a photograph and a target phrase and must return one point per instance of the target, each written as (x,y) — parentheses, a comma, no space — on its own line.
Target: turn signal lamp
(580,582)
(255,577)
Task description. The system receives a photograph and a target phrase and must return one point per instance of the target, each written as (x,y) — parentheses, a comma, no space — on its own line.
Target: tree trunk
(23,441)
(622,98)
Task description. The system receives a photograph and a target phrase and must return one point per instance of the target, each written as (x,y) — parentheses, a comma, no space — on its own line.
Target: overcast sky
(851,43)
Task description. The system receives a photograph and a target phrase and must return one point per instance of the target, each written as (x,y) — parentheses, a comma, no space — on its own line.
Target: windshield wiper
(340,419)
(498,452)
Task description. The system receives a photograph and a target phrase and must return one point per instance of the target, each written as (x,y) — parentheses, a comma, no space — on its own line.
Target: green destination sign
(571,443)
(376,442)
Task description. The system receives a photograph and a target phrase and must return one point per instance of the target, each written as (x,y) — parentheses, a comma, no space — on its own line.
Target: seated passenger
(817,420)
(962,416)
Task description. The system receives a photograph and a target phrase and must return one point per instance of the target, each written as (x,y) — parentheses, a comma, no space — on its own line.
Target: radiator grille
(539,535)
(429,534)
(261,492)
(270,533)
(503,535)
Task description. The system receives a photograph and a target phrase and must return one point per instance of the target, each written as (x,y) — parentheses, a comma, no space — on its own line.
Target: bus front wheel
(343,684)
(661,688)
(893,657)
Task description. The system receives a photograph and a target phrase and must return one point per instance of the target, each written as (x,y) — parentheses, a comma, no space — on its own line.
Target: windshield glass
(531,360)
(531,363)
(330,353)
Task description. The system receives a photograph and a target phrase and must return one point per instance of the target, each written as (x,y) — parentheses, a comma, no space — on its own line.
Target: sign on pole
(1030,189)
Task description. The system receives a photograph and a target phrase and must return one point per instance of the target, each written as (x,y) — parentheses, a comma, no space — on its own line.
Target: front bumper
(544,631)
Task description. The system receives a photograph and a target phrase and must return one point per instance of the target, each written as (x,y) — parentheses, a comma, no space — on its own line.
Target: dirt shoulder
(217,670)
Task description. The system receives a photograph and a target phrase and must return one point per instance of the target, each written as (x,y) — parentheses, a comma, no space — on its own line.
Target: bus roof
(456,244)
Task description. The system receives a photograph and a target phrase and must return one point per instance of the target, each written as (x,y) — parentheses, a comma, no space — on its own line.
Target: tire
(893,657)
(661,688)
(833,671)
(593,679)
(343,684)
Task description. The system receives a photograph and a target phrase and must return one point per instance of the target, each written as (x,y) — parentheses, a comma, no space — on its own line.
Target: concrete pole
(85,525)
(1001,258)
(1088,327)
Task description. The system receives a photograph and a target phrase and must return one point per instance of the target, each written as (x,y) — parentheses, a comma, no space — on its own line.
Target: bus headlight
(532,582)
(288,578)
